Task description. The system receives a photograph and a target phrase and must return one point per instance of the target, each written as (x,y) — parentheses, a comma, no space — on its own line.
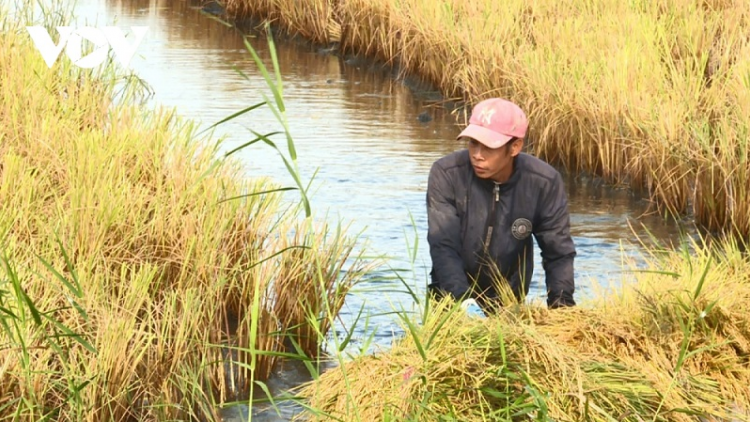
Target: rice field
(654,95)
(142,276)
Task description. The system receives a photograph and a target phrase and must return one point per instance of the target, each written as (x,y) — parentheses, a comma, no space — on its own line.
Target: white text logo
(71,39)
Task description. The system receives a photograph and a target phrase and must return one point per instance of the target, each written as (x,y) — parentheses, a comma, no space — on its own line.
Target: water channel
(358,126)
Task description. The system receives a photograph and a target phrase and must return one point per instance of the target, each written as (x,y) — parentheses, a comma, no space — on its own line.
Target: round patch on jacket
(521,228)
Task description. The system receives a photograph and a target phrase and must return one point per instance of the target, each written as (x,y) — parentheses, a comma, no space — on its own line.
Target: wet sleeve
(444,235)
(552,233)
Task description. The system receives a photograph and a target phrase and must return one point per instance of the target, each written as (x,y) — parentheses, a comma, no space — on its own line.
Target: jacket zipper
(491,217)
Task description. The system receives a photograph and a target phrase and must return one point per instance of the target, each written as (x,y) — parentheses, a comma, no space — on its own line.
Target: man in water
(484,203)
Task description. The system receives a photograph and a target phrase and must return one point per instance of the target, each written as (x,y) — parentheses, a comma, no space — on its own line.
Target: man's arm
(558,251)
(444,235)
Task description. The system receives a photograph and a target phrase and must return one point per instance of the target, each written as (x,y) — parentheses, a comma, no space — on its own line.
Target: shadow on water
(371,137)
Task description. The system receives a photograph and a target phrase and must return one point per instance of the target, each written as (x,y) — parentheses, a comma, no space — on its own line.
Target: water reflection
(354,124)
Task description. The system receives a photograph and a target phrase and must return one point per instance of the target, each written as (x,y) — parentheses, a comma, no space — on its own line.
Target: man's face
(495,164)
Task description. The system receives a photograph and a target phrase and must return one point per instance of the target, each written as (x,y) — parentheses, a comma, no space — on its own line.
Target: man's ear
(516,147)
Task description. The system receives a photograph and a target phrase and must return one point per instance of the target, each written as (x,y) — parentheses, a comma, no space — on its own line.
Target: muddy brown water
(359,127)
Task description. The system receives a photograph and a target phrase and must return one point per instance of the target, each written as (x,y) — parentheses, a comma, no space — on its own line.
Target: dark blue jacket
(466,213)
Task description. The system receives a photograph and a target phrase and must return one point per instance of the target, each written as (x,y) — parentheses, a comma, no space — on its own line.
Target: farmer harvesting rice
(484,203)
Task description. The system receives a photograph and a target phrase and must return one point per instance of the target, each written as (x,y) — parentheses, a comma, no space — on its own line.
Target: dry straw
(673,346)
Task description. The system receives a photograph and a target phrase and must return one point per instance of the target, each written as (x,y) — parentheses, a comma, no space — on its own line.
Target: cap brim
(489,138)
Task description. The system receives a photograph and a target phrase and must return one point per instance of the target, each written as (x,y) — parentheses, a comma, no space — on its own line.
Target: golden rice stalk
(672,345)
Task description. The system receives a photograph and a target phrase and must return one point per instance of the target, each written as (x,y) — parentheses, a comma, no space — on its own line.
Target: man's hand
(471,308)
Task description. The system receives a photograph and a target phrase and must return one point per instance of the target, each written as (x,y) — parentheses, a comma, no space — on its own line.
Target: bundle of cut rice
(674,345)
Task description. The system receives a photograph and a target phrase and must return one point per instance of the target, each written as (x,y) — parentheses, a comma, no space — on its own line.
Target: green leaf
(414,333)
(702,280)
(70,333)
(233,116)
(247,144)
(264,72)
(292,172)
(257,193)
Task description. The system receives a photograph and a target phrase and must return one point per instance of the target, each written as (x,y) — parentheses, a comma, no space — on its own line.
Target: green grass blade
(264,72)
(414,333)
(702,280)
(350,333)
(258,193)
(276,68)
(233,116)
(69,266)
(21,293)
(265,389)
(249,143)
(60,277)
(70,333)
(443,319)
(292,172)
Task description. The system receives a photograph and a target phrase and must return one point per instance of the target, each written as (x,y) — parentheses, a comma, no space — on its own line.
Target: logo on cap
(486,116)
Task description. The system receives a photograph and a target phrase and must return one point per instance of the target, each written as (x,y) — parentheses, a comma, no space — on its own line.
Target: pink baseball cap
(496,121)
